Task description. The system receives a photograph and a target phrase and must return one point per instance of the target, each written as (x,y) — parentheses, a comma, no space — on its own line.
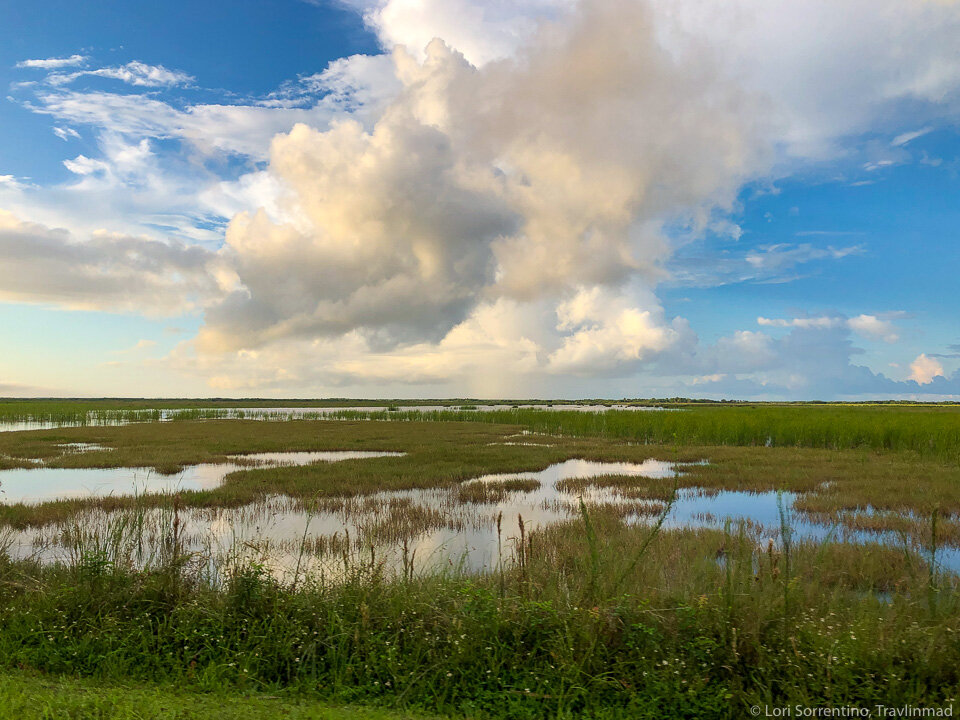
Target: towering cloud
(542,177)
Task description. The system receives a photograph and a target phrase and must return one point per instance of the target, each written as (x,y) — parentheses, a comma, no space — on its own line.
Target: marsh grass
(631,487)
(931,429)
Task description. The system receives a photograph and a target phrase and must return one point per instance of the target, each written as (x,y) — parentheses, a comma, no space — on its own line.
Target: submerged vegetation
(594,616)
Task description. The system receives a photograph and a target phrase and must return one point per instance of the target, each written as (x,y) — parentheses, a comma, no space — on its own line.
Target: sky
(751,199)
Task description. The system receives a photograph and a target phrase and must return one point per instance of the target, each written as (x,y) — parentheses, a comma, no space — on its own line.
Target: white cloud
(53,63)
(609,334)
(497,182)
(876,53)
(11,183)
(874,327)
(924,369)
(482,30)
(358,86)
(82,165)
(567,214)
(822,322)
(174,193)
(830,69)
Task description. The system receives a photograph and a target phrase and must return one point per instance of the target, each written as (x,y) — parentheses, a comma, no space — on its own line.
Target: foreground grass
(32,696)
(592,619)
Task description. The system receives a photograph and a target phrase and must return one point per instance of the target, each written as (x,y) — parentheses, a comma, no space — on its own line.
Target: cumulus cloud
(924,369)
(481,30)
(874,327)
(496,350)
(393,237)
(830,69)
(515,122)
(497,182)
(608,333)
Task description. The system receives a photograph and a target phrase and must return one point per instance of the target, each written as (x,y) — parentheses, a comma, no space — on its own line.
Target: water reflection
(43,484)
(472,526)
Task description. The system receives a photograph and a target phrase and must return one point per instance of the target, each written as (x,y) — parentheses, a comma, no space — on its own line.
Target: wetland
(492,562)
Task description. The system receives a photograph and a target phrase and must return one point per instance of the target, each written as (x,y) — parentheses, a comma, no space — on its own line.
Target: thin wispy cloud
(904,138)
(133,73)
(65,133)
(53,63)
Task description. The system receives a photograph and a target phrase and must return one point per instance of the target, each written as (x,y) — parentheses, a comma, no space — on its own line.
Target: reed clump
(494,491)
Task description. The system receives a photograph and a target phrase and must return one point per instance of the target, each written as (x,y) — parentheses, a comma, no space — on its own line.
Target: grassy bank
(590,619)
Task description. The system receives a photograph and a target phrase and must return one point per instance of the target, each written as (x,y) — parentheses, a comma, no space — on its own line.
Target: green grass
(33,696)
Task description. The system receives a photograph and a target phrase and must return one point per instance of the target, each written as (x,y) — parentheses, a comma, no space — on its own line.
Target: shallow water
(439,528)
(427,528)
(43,484)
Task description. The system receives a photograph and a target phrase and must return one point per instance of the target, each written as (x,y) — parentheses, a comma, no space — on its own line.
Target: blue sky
(571,198)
